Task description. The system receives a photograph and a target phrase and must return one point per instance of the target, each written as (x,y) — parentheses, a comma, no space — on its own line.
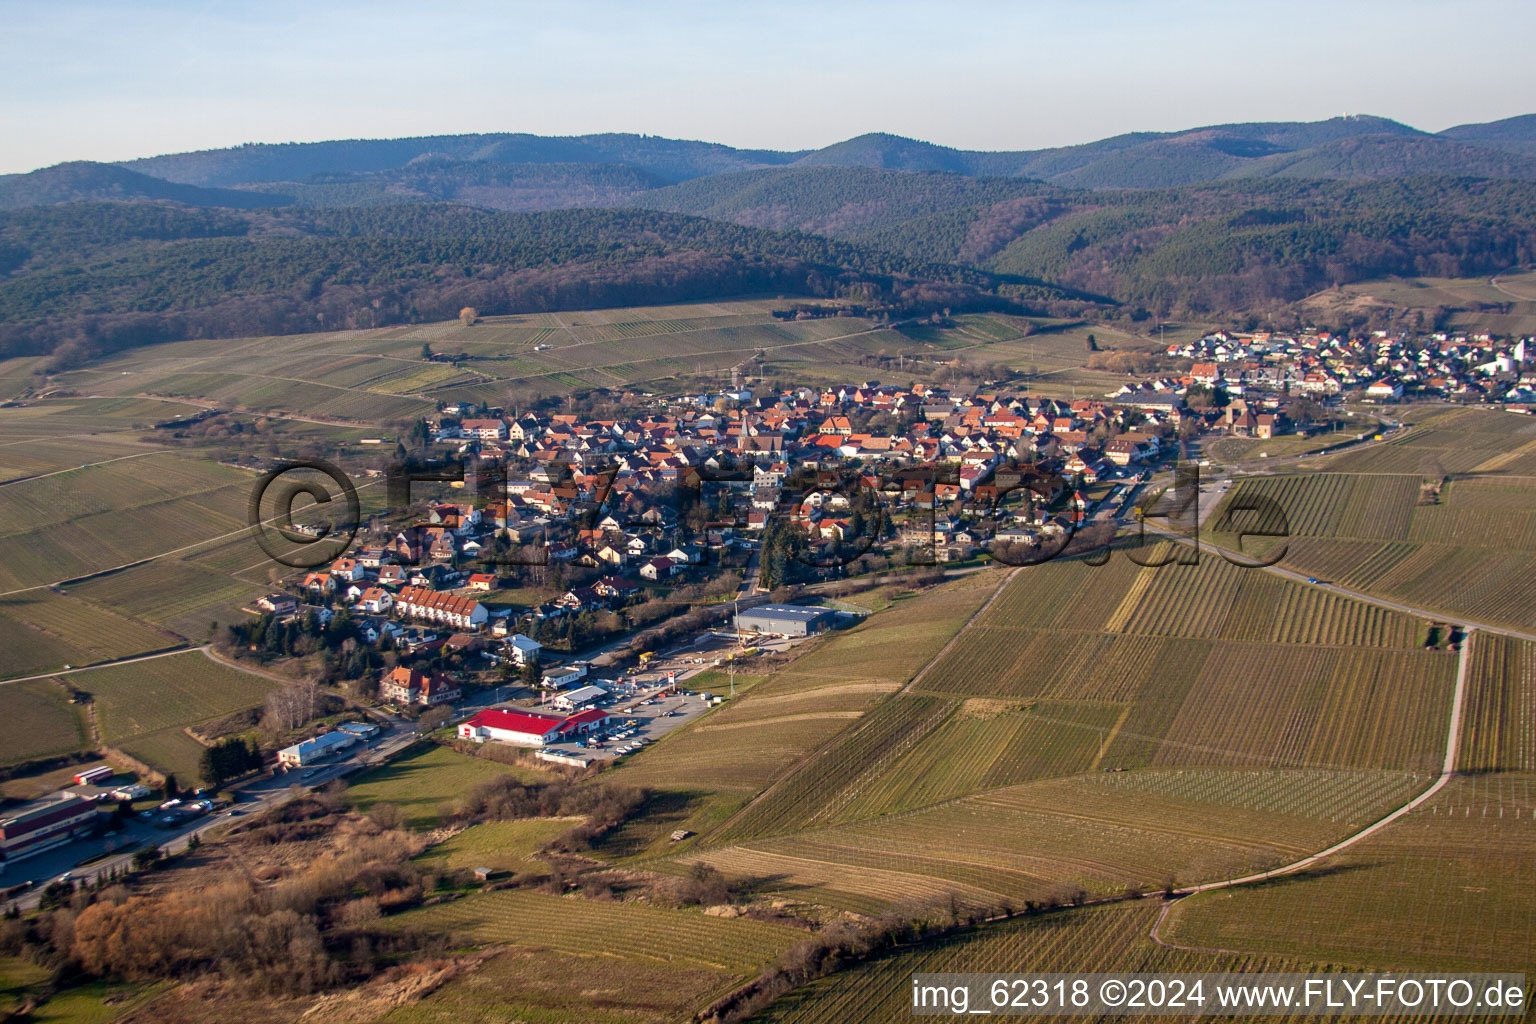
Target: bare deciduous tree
(292,706)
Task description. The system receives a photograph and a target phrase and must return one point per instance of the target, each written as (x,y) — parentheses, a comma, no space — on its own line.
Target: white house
(523,649)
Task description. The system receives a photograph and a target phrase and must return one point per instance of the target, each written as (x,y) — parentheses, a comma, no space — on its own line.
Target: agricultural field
(1505,305)
(575,925)
(1352,507)
(501,845)
(36,720)
(170,751)
(1098,832)
(1323,680)
(1467,551)
(1305,706)
(141,708)
(577,960)
(710,768)
(381,377)
(423,782)
(1107,938)
(22,459)
(1228,450)
(1036,713)
(1450,886)
(42,630)
(87,520)
(1498,725)
(557,987)
(62,431)
(180,689)
(817,789)
(984,744)
(177,593)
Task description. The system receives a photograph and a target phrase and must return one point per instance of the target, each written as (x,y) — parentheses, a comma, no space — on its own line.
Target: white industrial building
(317,749)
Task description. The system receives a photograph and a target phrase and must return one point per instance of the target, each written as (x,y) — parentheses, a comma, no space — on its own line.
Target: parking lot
(637,721)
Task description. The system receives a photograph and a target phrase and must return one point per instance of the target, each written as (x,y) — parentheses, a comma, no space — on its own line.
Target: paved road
(85,465)
(101,664)
(1453,730)
(205,542)
(790,776)
(1494,281)
(1438,615)
(259,793)
(1447,772)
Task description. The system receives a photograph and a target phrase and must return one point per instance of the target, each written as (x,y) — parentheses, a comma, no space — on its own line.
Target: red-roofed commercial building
(530,728)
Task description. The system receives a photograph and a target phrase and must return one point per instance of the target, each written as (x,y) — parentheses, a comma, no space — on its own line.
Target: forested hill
(1238,245)
(83,179)
(1230,219)
(1514,134)
(1136,160)
(87,278)
(668,159)
(83,278)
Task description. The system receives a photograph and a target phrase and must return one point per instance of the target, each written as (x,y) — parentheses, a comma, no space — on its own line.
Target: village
(571,533)
(1379,367)
(560,597)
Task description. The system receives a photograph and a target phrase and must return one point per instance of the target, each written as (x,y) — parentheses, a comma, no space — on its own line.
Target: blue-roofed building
(316,749)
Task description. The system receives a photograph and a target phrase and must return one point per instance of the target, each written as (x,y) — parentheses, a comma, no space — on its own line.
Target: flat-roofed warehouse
(789,619)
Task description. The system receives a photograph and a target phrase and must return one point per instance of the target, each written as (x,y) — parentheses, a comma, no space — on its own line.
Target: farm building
(530,728)
(44,824)
(316,749)
(788,619)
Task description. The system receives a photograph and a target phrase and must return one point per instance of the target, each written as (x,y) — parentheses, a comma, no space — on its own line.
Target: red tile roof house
(409,686)
(458,612)
(530,728)
(659,568)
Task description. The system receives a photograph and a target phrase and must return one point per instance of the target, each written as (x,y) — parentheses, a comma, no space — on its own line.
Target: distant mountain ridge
(1515,134)
(671,159)
(265,239)
(1122,161)
(522,172)
(85,180)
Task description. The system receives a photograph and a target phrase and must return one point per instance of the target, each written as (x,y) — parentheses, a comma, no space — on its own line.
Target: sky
(97,80)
